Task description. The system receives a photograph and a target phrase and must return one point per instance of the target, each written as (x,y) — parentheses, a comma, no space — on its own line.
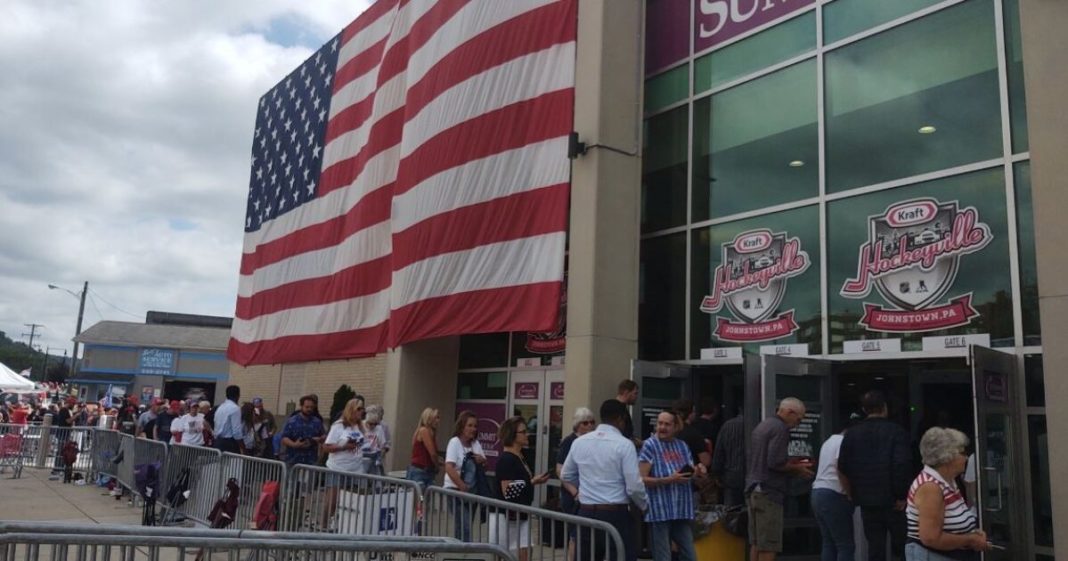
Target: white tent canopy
(12,381)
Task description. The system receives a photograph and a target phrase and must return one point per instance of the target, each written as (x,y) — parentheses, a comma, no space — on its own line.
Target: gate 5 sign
(751,283)
(911,258)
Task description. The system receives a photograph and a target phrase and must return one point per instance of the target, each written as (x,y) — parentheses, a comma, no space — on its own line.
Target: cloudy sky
(125,133)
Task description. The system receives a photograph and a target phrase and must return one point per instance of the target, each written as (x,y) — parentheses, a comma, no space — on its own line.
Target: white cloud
(125,130)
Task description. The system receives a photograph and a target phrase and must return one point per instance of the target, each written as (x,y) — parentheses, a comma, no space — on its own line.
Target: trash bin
(720,545)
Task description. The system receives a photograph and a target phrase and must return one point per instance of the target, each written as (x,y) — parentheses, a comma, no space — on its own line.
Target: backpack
(265,515)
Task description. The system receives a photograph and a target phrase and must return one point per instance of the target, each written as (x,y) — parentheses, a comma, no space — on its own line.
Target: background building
(173,356)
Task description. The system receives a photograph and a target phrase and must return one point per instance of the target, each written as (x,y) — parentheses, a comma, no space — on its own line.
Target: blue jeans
(834,513)
(462,515)
(423,477)
(916,552)
(678,531)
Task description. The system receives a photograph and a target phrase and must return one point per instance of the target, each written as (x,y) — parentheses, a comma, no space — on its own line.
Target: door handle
(997,479)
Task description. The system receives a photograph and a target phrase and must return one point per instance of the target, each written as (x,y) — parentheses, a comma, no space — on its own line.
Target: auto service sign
(911,258)
(751,282)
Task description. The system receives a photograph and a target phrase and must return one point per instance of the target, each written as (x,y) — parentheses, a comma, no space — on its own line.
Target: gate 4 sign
(751,283)
(912,257)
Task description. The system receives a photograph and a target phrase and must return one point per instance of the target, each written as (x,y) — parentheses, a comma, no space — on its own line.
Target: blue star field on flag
(287,145)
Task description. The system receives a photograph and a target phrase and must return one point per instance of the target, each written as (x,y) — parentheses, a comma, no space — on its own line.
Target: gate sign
(912,257)
(751,282)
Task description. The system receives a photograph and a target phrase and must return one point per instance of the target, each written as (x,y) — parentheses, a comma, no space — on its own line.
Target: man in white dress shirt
(229,430)
(604,467)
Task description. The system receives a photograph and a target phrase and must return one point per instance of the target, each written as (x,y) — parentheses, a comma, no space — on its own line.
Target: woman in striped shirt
(941,526)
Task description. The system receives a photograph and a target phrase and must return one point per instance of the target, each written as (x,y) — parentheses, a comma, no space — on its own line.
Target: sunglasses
(585,422)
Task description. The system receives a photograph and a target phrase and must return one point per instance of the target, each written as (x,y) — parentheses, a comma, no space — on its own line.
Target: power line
(105,300)
(95,307)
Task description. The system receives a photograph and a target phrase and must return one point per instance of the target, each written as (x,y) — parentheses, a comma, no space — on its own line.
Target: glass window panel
(1025,227)
(1014,66)
(914,99)
(662,298)
(983,274)
(667,88)
(843,18)
(1041,504)
(1036,385)
(764,49)
(482,385)
(756,145)
(664,170)
(787,312)
(487,350)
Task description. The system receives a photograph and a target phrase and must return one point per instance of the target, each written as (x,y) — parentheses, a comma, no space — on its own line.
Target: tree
(341,397)
(57,372)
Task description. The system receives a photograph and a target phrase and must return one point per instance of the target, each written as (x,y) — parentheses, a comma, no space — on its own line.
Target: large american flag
(410,180)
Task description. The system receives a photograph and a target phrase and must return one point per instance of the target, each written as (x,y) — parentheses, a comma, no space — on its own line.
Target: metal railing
(472,518)
(18,447)
(321,499)
(29,541)
(251,475)
(107,444)
(198,469)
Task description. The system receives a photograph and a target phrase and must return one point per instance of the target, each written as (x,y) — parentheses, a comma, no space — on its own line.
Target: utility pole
(44,364)
(33,332)
(78,331)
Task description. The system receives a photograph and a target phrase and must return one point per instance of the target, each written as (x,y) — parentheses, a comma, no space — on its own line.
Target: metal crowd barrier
(29,541)
(319,499)
(107,445)
(471,518)
(18,447)
(191,483)
(251,474)
(126,462)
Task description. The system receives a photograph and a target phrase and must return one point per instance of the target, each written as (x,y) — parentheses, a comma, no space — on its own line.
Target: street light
(78,329)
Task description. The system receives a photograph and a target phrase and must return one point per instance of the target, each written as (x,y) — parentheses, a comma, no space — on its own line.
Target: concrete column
(602,313)
(1043,24)
(419,375)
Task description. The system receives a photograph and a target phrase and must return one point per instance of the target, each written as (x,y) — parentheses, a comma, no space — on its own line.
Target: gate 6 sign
(911,258)
(751,283)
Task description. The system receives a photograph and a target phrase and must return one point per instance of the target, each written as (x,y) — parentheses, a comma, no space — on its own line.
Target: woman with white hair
(583,422)
(941,527)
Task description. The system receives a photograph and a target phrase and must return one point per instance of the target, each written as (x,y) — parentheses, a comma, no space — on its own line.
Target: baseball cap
(175,404)
(158,401)
(257,401)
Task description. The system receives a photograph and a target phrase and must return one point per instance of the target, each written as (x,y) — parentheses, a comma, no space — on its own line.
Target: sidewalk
(34,497)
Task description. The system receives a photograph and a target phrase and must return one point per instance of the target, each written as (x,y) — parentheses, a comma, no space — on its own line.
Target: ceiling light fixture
(927,129)
(796,163)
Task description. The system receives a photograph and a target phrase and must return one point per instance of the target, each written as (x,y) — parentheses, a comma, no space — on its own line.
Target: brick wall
(281,385)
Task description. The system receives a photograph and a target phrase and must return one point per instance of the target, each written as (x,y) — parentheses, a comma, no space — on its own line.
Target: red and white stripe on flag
(443,183)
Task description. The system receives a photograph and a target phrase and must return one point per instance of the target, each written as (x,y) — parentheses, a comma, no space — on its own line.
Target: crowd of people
(694,457)
(608,473)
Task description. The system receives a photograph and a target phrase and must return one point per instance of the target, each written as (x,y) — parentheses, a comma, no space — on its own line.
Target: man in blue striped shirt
(667,469)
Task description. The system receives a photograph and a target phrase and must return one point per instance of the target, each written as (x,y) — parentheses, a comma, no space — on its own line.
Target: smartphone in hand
(686,470)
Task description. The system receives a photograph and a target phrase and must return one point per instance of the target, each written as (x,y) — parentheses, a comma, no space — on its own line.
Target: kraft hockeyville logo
(751,283)
(912,258)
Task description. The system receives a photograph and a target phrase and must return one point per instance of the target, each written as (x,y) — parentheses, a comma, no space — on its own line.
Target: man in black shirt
(690,435)
(876,458)
(627,394)
(708,421)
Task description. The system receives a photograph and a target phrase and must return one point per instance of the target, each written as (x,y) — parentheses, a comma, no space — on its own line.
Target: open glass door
(809,380)
(997,449)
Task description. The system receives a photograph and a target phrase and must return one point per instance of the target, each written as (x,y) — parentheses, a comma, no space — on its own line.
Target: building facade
(170,356)
(806,198)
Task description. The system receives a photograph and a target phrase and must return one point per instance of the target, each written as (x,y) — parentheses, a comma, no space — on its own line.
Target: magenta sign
(556,390)
(526,390)
(717,21)
(490,417)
